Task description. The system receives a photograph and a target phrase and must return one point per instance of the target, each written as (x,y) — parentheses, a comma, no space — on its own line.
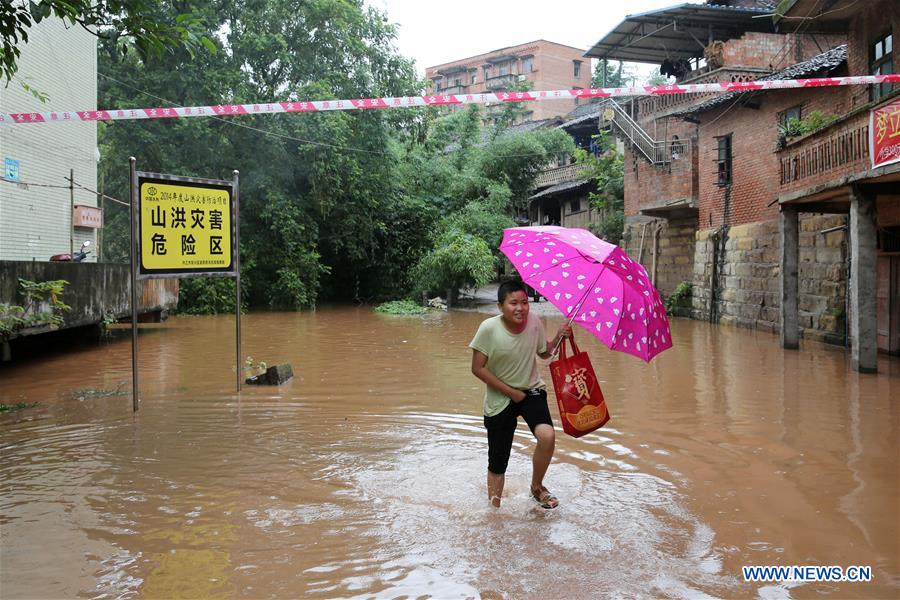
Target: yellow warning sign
(184,227)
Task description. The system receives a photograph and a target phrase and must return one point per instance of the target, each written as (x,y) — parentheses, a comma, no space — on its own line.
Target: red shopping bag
(582,408)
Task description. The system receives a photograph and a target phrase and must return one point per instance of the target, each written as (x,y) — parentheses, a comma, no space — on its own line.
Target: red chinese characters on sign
(884,134)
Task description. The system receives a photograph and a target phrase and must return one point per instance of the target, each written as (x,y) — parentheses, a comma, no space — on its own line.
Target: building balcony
(825,155)
(564,174)
(661,105)
(501,82)
(669,190)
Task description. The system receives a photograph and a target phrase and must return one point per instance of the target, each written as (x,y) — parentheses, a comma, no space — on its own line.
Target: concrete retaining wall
(94,292)
(674,249)
(748,274)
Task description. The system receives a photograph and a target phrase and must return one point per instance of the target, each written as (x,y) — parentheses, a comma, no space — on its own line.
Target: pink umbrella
(595,284)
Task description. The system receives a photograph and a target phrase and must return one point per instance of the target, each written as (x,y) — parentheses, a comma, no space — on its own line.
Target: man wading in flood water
(503,357)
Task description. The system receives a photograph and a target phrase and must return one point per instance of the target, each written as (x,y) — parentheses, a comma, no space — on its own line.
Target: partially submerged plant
(251,368)
(401,307)
(684,290)
(31,313)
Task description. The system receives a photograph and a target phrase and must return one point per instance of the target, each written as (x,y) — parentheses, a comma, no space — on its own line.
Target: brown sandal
(545,498)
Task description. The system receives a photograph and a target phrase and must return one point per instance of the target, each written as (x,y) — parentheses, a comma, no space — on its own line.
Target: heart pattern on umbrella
(595,284)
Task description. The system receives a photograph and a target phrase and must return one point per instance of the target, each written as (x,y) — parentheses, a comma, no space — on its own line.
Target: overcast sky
(433,33)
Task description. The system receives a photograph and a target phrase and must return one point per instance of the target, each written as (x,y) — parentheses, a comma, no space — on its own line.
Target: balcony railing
(454,90)
(827,151)
(564,174)
(669,102)
(657,152)
(501,82)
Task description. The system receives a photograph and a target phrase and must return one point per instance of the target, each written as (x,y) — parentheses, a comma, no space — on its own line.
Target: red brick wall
(873,20)
(646,184)
(756,165)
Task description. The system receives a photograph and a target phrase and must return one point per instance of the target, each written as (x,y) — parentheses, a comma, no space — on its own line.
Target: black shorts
(502,427)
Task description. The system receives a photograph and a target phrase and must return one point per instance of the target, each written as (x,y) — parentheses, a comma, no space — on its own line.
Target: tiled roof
(827,61)
(560,187)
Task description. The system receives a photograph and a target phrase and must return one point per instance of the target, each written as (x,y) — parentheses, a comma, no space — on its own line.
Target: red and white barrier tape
(435,100)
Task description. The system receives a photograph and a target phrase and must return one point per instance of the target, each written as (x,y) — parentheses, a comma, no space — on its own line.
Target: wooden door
(887,301)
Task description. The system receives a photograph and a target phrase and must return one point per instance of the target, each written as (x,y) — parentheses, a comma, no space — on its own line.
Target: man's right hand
(518,396)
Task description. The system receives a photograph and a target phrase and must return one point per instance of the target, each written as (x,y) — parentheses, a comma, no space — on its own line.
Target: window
(528,64)
(457,82)
(882,64)
(577,64)
(504,68)
(437,85)
(487,73)
(723,161)
(474,76)
(677,148)
(575,205)
(793,112)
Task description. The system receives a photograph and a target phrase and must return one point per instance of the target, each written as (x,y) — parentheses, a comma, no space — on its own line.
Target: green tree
(151,27)
(617,75)
(656,78)
(457,260)
(319,192)
(608,173)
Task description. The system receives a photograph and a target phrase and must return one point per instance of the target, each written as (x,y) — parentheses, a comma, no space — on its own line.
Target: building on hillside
(37,222)
(544,65)
(562,191)
(710,179)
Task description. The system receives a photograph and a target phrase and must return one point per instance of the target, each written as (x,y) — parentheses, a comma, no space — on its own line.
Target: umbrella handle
(575,312)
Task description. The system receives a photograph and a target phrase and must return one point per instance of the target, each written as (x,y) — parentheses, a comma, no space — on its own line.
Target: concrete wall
(673,251)
(35,221)
(748,275)
(94,290)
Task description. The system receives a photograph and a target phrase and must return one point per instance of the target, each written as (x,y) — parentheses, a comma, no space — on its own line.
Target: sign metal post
(183,227)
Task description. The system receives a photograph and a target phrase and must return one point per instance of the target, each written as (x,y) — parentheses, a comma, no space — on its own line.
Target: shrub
(457,260)
(401,307)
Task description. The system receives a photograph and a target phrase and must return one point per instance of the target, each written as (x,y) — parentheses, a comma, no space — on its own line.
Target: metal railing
(656,152)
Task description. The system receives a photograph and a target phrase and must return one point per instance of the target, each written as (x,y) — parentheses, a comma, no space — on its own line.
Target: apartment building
(545,65)
(793,235)
(37,221)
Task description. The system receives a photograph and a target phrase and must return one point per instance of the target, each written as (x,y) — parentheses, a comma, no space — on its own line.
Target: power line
(28,184)
(279,135)
(251,128)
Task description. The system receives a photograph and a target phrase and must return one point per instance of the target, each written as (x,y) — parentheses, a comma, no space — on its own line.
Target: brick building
(562,192)
(713,187)
(545,65)
(37,222)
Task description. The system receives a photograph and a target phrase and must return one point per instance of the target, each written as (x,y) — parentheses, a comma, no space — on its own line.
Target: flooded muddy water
(364,475)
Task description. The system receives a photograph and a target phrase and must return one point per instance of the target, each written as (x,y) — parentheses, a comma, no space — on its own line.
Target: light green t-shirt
(510,356)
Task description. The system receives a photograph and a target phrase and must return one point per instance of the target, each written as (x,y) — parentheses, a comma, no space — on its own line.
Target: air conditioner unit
(521,78)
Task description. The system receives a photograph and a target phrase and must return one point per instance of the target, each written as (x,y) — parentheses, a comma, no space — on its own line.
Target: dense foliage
(151,27)
(355,205)
(607,171)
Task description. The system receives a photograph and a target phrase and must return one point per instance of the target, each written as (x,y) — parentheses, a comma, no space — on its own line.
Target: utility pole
(103,217)
(71,213)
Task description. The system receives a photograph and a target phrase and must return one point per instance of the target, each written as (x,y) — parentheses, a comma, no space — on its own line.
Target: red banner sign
(884,134)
